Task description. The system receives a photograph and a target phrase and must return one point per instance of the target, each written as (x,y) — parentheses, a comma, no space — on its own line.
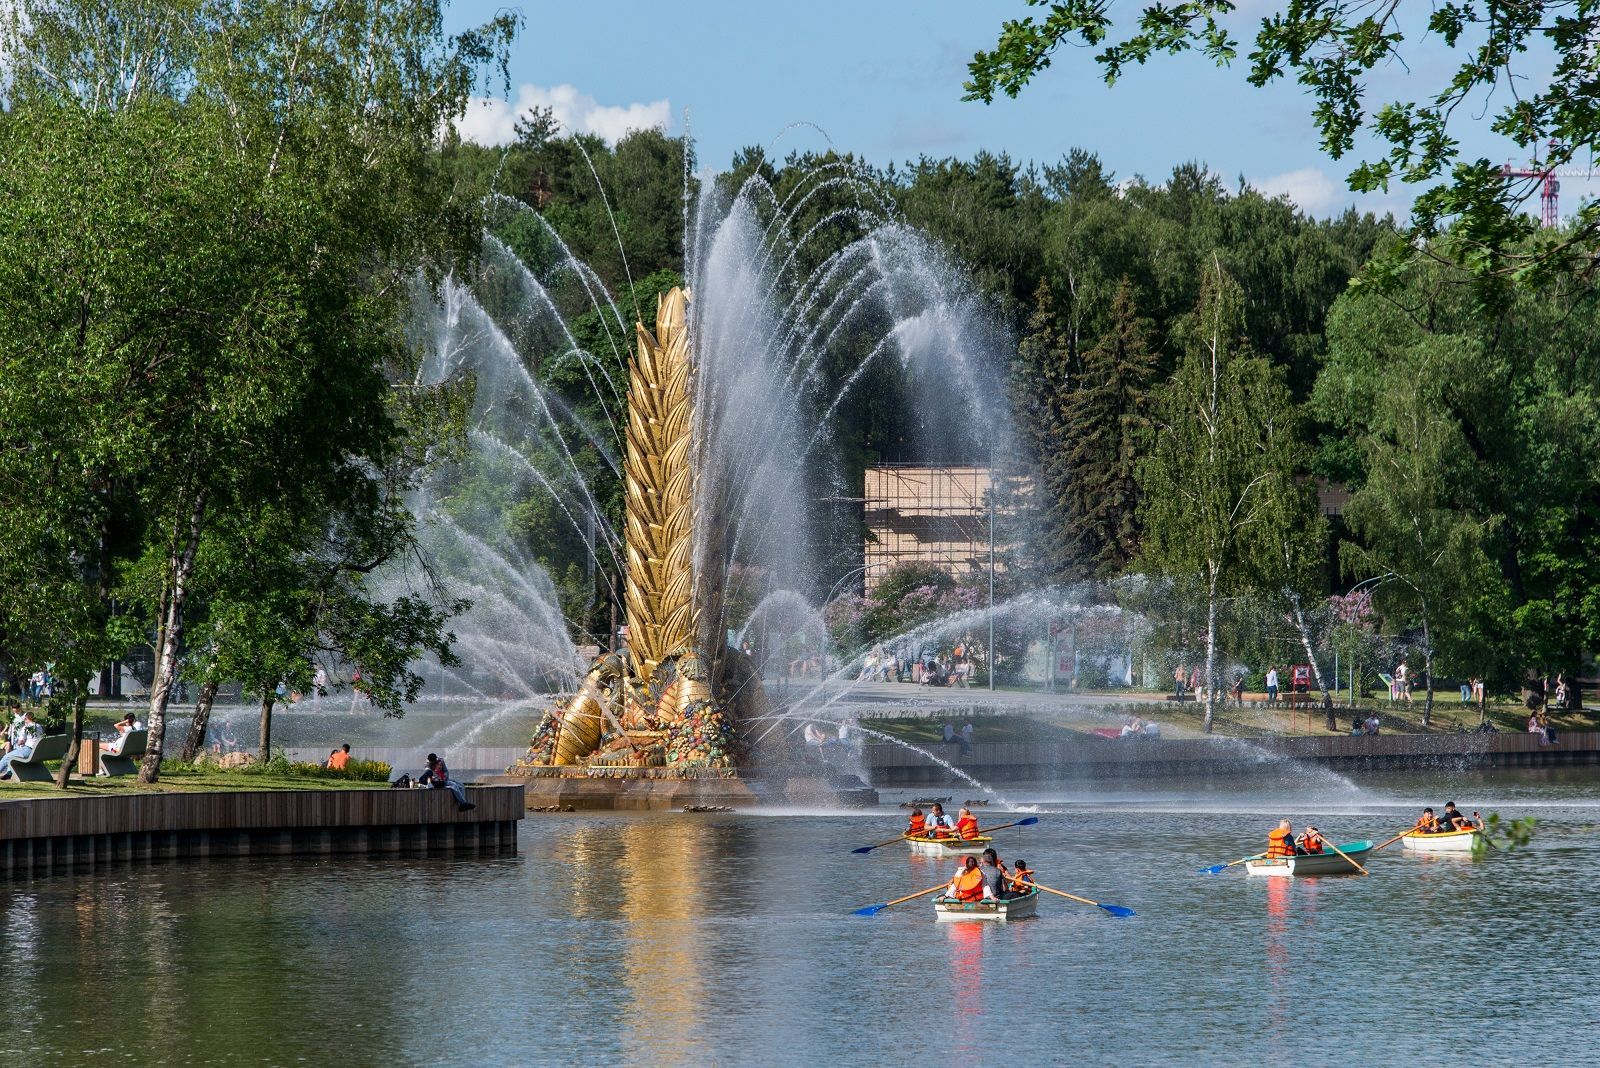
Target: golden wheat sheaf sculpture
(659,593)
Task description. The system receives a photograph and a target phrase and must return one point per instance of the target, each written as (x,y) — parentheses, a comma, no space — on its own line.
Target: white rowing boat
(949,847)
(1013,908)
(1329,863)
(1442,841)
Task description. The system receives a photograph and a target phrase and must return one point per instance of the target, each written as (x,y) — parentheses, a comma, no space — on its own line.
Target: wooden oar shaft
(919,893)
(1060,893)
(1396,838)
(1345,855)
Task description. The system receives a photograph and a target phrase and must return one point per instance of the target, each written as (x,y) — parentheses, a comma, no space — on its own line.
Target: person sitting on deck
(1021,876)
(969,883)
(966,824)
(339,758)
(22,743)
(939,825)
(1426,823)
(917,826)
(438,776)
(1280,841)
(1310,842)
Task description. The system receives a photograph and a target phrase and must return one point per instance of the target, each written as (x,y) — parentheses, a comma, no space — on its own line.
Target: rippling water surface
(657,939)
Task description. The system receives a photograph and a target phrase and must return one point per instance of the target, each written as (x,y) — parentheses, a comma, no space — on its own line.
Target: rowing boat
(949,847)
(1329,863)
(1441,841)
(1013,908)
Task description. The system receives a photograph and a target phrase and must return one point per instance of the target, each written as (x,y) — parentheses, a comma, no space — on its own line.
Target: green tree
(279,161)
(1332,49)
(1103,426)
(1220,449)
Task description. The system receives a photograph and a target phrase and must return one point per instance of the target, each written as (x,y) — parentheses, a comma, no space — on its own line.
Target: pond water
(718,939)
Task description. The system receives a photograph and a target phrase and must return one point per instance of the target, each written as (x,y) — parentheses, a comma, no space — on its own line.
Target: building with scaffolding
(931,514)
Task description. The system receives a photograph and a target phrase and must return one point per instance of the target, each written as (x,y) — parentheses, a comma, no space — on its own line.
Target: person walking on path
(1272,686)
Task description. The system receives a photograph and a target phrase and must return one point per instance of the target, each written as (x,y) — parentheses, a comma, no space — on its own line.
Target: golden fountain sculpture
(656,704)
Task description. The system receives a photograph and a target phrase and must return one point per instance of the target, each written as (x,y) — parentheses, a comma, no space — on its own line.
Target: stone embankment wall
(1095,757)
(50,833)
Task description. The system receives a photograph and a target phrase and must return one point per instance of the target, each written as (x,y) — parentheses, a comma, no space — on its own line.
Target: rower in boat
(969,883)
(1280,841)
(1309,843)
(994,874)
(917,826)
(1455,820)
(938,825)
(1427,823)
(966,824)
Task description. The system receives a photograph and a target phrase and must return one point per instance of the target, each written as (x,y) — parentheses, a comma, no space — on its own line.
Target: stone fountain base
(665,789)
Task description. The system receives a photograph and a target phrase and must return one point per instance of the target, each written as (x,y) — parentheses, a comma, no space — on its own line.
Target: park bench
(127,761)
(32,769)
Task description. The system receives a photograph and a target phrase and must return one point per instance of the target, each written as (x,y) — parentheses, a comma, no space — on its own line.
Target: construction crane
(1549,183)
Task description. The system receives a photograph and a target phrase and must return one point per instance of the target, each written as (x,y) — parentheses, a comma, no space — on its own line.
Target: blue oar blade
(863,849)
(871,910)
(1118,910)
(1029,822)
(1215,869)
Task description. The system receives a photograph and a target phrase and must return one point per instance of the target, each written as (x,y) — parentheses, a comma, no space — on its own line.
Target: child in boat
(1021,876)
(1426,823)
(1455,820)
(917,825)
(1309,843)
(967,824)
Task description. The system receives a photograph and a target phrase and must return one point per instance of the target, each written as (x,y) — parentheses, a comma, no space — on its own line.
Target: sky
(882,79)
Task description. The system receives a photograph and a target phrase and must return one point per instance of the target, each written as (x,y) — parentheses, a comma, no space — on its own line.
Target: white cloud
(1310,189)
(490,121)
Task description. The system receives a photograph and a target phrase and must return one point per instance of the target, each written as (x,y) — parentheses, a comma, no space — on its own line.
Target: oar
(873,910)
(1217,869)
(867,849)
(1115,910)
(1029,822)
(1396,838)
(1346,856)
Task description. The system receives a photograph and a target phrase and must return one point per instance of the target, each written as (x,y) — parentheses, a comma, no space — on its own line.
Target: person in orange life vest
(1021,876)
(339,758)
(917,824)
(969,883)
(1310,842)
(1426,824)
(1280,841)
(938,824)
(966,823)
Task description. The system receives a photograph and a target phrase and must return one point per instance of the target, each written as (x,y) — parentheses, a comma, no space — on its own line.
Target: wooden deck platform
(43,834)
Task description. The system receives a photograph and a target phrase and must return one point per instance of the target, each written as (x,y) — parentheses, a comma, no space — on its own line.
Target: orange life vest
(1278,844)
(967,826)
(338,760)
(1427,824)
(969,885)
(918,825)
(1020,880)
(1311,843)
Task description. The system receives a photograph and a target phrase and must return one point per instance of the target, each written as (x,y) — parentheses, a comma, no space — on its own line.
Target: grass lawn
(182,781)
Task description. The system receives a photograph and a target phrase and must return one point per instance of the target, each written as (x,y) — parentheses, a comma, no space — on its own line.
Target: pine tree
(1041,379)
(1102,424)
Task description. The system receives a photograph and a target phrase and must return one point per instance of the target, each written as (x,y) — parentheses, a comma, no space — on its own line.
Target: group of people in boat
(1452,819)
(1283,842)
(936,824)
(989,879)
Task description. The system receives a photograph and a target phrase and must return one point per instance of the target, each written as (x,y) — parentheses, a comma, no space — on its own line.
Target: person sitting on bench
(22,746)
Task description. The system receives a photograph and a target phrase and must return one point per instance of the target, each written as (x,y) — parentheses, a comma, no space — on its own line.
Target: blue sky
(882,78)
